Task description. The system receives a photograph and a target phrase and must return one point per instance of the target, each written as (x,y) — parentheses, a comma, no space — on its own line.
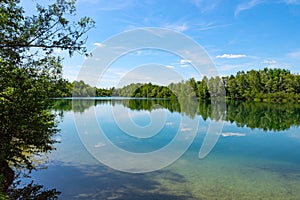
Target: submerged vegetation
(258,85)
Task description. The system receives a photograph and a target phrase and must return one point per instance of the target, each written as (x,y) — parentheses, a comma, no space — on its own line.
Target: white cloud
(184,62)
(205,5)
(231,56)
(180,27)
(184,129)
(269,62)
(99,44)
(233,134)
(144,52)
(100,144)
(209,26)
(170,66)
(252,3)
(246,6)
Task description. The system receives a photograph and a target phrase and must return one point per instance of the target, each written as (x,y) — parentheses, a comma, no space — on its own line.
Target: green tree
(28,73)
(203,92)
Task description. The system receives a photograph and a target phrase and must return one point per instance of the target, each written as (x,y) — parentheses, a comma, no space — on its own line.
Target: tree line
(258,85)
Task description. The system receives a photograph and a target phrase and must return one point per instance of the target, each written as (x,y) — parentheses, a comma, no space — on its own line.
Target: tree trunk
(7,174)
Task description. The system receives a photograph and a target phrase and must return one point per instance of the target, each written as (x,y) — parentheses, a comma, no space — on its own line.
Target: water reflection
(265,116)
(245,163)
(98,182)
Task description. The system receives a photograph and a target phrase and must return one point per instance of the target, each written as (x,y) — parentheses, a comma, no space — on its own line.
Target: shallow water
(247,162)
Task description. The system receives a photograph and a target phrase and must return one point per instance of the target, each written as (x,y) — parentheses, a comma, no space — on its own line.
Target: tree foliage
(32,191)
(257,85)
(264,85)
(152,91)
(30,74)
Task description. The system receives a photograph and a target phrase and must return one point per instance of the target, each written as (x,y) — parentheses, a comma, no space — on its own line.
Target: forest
(269,85)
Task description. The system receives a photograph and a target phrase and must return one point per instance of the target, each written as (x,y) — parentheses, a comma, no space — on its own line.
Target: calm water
(256,157)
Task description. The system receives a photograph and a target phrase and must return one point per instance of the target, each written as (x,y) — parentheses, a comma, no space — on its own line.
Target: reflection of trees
(266,116)
(186,106)
(76,105)
(152,104)
(214,109)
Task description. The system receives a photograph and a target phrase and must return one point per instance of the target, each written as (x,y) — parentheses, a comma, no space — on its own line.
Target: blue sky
(237,35)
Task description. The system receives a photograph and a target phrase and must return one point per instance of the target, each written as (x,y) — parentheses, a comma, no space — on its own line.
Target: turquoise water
(257,155)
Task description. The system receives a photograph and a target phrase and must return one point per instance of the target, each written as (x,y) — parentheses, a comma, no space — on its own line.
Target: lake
(256,156)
